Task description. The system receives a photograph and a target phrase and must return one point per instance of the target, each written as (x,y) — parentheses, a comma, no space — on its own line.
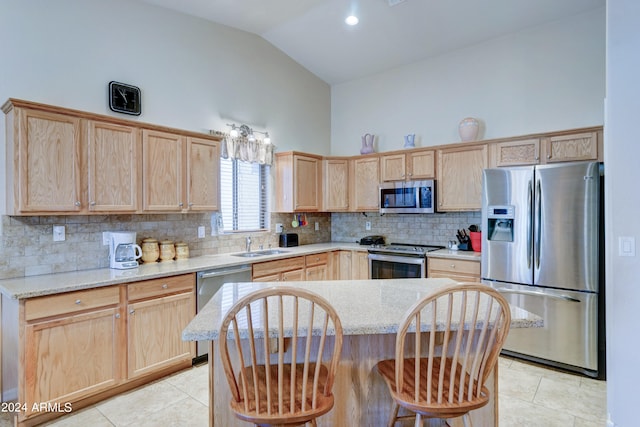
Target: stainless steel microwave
(408,197)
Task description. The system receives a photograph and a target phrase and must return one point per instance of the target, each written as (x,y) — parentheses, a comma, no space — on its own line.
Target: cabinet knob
(117,315)
(92,203)
(190,204)
(77,203)
(78,302)
(181,204)
(165,286)
(410,174)
(132,311)
(548,156)
(453,266)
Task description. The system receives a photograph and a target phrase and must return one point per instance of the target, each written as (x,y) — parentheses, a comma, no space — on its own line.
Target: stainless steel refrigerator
(543,249)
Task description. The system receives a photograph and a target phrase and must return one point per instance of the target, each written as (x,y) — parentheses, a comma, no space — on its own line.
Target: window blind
(243,195)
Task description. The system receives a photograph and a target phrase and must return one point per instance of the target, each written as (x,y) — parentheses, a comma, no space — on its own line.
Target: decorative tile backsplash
(27,247)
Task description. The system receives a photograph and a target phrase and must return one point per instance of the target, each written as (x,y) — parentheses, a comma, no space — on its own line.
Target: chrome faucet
(248,240)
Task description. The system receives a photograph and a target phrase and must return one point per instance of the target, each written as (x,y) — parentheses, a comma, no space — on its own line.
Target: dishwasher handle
(216,273)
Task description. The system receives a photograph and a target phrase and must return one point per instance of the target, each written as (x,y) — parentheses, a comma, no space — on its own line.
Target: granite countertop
(48,284)
(379,309)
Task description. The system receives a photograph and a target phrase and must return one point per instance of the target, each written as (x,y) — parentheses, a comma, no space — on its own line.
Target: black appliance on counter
(399,260)
(372,240)
(288,240)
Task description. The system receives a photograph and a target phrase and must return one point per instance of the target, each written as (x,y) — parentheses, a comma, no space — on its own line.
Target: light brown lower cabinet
(317,267)
(455,269)
(70,350)
(287,269)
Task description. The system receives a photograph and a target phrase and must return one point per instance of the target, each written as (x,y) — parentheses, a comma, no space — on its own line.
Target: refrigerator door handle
(538,294)
(538,222)
(529,224)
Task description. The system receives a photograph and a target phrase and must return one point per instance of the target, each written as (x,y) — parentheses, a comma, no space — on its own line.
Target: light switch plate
(626,246)
(367,225)
(58,233)
(317,226)
(201,232)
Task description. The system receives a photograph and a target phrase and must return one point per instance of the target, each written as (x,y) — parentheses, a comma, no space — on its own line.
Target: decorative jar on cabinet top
(468,129)
(150,250)
(167,250)
(182,250)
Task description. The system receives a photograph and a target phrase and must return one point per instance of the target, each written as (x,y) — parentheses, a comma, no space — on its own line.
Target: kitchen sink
(260,253)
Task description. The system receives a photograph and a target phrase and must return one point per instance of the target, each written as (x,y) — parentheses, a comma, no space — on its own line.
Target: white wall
(542,79)
(622,151)
(193,74)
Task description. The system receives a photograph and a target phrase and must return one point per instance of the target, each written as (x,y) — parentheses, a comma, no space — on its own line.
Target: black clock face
(124,98)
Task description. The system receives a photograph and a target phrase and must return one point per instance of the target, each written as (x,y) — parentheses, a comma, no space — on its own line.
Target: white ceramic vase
(468,129)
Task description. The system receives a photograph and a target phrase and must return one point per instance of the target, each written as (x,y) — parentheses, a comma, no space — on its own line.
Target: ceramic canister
(167,250)
(150,250)
(182,250)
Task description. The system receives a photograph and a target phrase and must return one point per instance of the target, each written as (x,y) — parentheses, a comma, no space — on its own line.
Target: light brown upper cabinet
(412,165)
(298,182)
(113,153)
(569,146)
(162,163)
(203,174)
(336,184)
(460,177)
(43,162)
(364,178)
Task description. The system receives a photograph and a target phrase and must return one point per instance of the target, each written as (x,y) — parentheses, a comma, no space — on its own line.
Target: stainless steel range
(399,260)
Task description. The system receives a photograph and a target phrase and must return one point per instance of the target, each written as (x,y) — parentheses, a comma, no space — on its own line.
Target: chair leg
(418,420)
(394,415)
(466,420)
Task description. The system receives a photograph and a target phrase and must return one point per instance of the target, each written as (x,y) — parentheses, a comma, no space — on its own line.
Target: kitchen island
(370,312)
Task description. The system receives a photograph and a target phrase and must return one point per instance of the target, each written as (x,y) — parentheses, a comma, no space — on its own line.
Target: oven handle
(538,294)
(400,259)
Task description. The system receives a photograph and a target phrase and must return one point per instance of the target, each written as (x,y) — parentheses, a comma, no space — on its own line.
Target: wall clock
(124,98)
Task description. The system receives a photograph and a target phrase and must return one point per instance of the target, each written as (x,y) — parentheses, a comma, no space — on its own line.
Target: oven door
(383,266)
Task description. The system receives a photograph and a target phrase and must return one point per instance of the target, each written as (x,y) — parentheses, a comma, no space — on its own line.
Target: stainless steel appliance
(399,260)
(123,250)
(208,283)
(543,249)
(407,197)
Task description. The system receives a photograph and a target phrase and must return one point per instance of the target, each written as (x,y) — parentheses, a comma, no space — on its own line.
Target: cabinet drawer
(71,302)
(455,265)
(270,267)
(316,259)
(163,286)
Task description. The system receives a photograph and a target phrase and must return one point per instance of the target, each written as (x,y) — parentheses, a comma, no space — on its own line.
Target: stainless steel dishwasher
(208,283)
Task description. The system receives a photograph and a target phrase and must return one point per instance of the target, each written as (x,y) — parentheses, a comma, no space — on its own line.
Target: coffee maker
(123,250)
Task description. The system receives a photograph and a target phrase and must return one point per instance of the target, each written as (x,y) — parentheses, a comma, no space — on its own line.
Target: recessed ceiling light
(352,20)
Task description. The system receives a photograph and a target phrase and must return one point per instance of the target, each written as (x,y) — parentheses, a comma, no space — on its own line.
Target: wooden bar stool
(455,347)
(285,379)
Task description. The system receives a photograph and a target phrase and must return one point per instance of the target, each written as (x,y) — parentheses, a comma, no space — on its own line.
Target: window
(243,195)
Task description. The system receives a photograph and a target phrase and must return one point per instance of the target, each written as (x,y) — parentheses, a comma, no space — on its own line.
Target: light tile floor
(530,396)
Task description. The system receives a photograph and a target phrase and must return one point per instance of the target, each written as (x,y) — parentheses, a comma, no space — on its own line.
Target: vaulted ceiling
(391,33)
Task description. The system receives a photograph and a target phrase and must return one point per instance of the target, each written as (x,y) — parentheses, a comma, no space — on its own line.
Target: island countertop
(365,307)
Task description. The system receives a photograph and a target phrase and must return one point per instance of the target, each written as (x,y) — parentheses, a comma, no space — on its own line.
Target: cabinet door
(515,153)
(344,267)
(393,167)
(360,265)
(155,333)
(316,272)
(203,174)
(305,183)
(48,170)
(112,167)
(572,147)
(293,275)
(421,164)
(336,189)
(460,177)
(72,357)
(162,174)
(364,185)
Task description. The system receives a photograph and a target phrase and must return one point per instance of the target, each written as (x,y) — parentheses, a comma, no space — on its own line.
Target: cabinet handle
(78,302)
(165,286)
(77,203)
(132,311)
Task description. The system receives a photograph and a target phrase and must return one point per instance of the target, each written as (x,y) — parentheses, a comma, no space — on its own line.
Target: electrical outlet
(367,225)
(201,232)
(317,226)
(58,233)
(278,228)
